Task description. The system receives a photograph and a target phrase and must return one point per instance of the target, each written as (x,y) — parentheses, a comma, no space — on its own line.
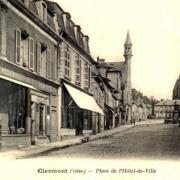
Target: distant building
(176,90)
(141,107)
(166,108)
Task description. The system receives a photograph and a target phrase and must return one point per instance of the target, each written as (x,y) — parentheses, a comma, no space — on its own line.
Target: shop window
(68,111)
(78,69)
(17,109)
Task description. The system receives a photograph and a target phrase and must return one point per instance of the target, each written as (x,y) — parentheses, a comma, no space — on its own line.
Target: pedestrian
(134,121)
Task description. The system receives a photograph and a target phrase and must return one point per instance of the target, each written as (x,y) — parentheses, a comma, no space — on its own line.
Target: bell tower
(128,93)
(128,56)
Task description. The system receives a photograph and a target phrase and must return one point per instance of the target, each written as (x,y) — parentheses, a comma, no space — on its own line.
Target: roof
(128,40)
(168,102)
(119,66)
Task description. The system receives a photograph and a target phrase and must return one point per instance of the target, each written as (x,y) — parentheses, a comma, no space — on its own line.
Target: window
(31,53)
(24,49)
(48,63)
(86,75)
(44,12)
(67,58)
(43,61)
(18,46)
(38,65)
(78,69)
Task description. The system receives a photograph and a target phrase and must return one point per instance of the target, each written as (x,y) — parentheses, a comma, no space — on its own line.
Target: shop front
(13,112)
(28,116)
(77,111)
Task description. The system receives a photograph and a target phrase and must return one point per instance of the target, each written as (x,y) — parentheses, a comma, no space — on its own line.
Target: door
(42,121)
(78,122)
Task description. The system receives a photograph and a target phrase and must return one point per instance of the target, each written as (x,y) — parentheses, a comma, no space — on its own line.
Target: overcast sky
(154,27)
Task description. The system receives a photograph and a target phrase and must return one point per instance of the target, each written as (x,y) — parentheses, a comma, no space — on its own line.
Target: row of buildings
(169,109)
(51,87)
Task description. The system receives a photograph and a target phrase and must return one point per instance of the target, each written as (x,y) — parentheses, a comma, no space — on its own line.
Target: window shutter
(31,53)
(18,45)
(48,63)
(38,52)
(89,77)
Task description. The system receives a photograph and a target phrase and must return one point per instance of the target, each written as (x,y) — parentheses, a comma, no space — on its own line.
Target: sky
(155,33)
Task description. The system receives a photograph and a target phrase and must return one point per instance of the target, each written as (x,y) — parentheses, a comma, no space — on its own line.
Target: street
(152,141)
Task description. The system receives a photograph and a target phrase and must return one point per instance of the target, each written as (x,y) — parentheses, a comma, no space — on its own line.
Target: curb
(80,141)
(48,150)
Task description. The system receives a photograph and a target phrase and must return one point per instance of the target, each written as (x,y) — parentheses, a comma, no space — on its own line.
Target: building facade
(141,106)
(78,105)
(28,73)
(122,70)
(167,109)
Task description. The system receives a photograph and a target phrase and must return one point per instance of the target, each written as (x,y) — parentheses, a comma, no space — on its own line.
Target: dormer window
(66,19)
(42,10)
(77,30)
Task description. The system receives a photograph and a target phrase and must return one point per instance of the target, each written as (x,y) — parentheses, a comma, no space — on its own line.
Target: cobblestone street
(153,141)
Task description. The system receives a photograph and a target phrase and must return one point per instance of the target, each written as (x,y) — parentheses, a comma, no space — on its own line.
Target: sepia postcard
(89,89)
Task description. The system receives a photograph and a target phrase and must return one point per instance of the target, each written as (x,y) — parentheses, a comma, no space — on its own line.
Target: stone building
(107,97)
(167,109)
(78,105)
(122,70)
(141,107)
(29,46)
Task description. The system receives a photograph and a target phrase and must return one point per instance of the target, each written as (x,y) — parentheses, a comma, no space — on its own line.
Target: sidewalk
(41,149)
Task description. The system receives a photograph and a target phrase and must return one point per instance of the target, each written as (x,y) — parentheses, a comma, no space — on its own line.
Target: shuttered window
(78,69)
(86,75)
(18,46)
(67,59)
(48,63)
(38,52)
(31,53)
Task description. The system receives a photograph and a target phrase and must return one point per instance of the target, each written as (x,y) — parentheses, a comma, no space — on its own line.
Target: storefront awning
(17,82)
(83,100)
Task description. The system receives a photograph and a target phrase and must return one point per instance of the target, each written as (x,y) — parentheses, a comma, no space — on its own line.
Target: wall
(14,22)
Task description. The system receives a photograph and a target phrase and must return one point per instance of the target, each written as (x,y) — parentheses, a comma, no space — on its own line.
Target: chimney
(98,59)
(102,60)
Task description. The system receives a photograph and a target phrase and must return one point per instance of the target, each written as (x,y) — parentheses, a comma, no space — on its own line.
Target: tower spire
(128,40)
(128,48)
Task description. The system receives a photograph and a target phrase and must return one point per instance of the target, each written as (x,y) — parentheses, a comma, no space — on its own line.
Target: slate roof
(168,102)
(119,66)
